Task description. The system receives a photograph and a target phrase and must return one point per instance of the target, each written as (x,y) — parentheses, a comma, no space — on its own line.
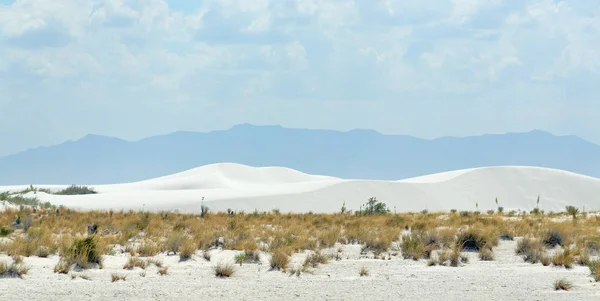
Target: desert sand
(240,187)
(506,278)
(247,188)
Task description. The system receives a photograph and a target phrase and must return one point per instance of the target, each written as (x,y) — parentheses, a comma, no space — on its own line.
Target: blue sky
(427,68)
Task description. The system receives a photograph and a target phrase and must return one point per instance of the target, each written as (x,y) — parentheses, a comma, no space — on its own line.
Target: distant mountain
(356,154)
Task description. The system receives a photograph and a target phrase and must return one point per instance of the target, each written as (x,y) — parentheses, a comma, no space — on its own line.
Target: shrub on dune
(76,190)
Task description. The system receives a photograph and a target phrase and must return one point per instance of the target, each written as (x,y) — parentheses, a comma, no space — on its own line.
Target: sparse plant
(18,259)
(175,241)
(116,277)
(76,190)
(486,254)
(79,275)
(223,270)
(313,260)
(83,253)
(594,267)
(564,258)
(239,258)
(531,250)
(374,206)
(163,271)
(206,255)
(279,261)
(13,270)
(364,271)
(187,250)
(552,238)
(563,284)
(135,262)
(5,231)
(572,211)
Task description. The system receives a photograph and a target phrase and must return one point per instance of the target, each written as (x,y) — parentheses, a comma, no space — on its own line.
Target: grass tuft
(363,271)
(13,270)
(563,284)
(279,261)
(223,270)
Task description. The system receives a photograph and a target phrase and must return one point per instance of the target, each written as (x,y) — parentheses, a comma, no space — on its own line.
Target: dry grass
(446,235)
(279,261)
(563,284)
(363,271)
(135,262)
(80,275)
(13,270)
(163,271)
(188,249)
(594,267)
(223,270)
(116,277)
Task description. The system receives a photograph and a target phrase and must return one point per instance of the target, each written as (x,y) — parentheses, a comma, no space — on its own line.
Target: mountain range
(355,154)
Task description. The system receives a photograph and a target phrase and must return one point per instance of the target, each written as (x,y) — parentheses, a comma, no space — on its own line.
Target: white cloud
(234,61)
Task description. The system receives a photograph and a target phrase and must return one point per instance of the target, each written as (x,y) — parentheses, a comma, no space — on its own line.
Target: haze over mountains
(356,154)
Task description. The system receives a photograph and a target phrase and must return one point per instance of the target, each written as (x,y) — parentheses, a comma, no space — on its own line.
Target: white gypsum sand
(505,278)
(240,187)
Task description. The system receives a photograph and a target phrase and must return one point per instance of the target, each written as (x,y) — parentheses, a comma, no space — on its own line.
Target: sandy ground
(506,278)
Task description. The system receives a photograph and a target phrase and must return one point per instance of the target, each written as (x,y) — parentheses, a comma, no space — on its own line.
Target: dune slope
(241,187)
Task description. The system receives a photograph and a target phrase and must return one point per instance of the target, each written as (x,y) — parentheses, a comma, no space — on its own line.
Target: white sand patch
(241,187)
(506,278)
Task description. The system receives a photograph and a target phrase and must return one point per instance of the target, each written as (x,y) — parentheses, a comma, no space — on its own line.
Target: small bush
(62,267)
(116,277)
(76,190)
(363,272)
(552,238)
(251,256)
(313,260)
(279,261)
(531,250)
(174,242)
(594,267)
(472,240)
(239,258)
(135,262)
(486,254)
(206,255)
(18,259)
(562,284)
(565,258)
(148,249)
(545,260)
(163,271)
(5,231)
(83,252)
(79,275)
(157,262)
(13,270)
(187,250)
(223,270)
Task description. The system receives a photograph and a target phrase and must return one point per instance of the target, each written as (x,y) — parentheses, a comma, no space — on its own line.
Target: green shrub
(76,190)
(5,231)
(83,252)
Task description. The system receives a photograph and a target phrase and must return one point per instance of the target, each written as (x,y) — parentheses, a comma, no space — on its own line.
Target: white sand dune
(240,187)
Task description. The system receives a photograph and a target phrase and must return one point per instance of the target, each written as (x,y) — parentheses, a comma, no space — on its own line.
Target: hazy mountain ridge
(364,154)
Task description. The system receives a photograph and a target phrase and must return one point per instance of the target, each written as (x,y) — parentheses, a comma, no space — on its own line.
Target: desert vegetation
(451,239)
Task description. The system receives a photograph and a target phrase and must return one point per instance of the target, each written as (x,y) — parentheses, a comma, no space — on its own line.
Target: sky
(429,68)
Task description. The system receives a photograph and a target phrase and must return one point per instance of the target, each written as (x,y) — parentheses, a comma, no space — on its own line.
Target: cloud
(428,68)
